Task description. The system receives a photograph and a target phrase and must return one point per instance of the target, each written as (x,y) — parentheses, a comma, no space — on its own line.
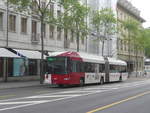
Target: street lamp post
(7,24)
(6,59)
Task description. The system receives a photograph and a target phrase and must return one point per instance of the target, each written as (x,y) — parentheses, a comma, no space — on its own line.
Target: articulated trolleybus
(74,68)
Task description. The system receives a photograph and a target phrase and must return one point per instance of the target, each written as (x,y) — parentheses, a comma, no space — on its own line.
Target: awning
(29,54)
(6,53)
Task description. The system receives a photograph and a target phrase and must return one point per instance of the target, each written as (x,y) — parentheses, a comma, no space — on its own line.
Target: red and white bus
(70,68)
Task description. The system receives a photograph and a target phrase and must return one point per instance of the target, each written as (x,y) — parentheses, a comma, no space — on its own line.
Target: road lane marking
(22,102)
(43,92)
(83,93)
(6,96)
(48,96)
(119,102)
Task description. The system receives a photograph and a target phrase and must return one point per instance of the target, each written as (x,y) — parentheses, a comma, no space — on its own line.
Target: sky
(144,7)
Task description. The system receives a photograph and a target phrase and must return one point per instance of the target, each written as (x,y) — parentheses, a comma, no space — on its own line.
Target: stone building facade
(125,10)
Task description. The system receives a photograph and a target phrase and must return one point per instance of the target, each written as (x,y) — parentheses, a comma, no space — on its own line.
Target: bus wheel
(120,79)
(102,81)
(61,85)
(81,82)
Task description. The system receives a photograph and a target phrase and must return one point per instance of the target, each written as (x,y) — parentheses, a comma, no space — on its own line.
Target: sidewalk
(18,84)
(138,78)
(21,84)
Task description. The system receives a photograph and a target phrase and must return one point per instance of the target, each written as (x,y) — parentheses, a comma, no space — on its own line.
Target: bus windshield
(57,65)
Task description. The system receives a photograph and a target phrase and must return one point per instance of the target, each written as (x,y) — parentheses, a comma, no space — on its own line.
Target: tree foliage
(104,23)
(73,18)
(137,35)
(39,8)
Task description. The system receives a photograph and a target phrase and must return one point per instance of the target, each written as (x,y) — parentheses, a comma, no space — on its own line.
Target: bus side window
(77,66)
(89,67)
(101,68)
(123,69)
(73,67)
(114,68)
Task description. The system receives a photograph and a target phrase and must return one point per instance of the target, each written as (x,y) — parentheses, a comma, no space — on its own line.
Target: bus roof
(84,56)
(92,58)
(88,57)
(116,61)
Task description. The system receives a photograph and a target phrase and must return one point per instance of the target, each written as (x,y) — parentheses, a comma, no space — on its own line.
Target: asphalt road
(122,97)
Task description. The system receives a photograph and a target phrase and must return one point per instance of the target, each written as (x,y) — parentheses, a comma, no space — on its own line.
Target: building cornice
(126,5)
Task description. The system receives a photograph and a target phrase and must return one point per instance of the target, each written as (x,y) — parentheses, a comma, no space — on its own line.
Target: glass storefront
(10,67)
(19,67)
(1,67)
(23,67)
(32,66)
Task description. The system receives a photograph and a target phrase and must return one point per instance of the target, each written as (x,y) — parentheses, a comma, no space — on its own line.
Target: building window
(72,36)
(51,32)
(82,40)
(34,30)
(44,30)
(34,6)
(1,21)
(59,33)
(52,9)
(34,27)
(12,23)
(43,4)
(24,25)
(121,44)
(59,11)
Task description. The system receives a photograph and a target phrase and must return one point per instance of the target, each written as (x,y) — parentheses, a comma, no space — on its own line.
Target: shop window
(10,67)
(19,67)
(1,67)
(32,67)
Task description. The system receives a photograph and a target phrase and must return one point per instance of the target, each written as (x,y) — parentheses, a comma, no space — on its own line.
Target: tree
(104,23)
(41,9)
(146,35)
(73,18)
(134,39)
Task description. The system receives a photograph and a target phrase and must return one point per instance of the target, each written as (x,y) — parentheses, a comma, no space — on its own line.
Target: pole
(7,25)
(6,59)
(86,27)
(42,52)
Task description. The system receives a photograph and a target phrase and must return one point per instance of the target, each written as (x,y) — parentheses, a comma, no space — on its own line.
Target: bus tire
(81,81)
(120,79)
(101,81)
(61,85)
